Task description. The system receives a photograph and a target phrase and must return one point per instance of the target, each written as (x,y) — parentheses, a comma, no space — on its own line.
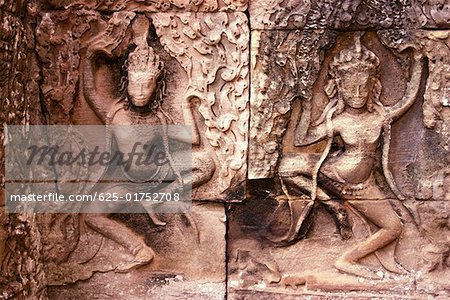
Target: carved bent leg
(118,232)
(304,185)
(381,214)
(124,236)
(295,173)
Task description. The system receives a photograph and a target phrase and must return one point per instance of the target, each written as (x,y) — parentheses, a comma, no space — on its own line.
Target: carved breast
(362,131)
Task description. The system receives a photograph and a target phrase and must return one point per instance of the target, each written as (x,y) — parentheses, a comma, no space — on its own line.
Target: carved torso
(126,137)
(355,163)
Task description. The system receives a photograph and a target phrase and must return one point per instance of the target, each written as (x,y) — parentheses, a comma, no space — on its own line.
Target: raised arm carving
(99,101)
(412,89)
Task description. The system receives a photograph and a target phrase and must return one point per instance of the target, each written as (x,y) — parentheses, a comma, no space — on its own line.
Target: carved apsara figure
(140,104)
(356,115)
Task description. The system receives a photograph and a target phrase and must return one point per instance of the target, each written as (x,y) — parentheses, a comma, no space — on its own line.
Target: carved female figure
(355,114)
(141,105)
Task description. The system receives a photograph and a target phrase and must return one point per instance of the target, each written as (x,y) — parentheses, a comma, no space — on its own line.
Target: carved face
(141,87)
(355,89)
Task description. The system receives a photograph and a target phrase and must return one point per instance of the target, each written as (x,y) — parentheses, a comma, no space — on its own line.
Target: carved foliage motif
(58,49)
(279,78)
(21,274)
(212,49)
(434,13)
(336,14)
(152,6)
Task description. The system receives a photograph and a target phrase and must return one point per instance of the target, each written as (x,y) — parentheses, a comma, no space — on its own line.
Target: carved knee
(396,228)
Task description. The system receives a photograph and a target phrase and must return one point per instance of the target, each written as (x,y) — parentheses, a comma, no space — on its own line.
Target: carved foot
(356,269)
(293,282)
(143,256)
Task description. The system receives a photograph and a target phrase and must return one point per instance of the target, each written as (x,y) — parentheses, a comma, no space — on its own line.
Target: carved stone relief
(349,15)
(148,69)
(315,166)
(21,267)
(336,14)
(150,6)
(191,48)
(340,109)
(434,13)
(187,249)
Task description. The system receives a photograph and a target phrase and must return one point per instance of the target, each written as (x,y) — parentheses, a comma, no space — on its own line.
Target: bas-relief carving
(155,69)
(207,52)
(340,213)
(347,14)
(434,13)
(355,114)
(377,232)
(184,254)
(142,105)
(21,268)
(151,6)
(278,79)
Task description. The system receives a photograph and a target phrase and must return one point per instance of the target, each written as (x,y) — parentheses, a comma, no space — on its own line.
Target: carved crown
(144,59)
(355,59)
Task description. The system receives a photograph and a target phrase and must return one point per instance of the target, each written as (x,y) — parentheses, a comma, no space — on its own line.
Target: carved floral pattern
(152,5)
(213,50)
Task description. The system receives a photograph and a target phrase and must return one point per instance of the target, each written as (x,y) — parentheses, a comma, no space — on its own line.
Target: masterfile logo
(98,168)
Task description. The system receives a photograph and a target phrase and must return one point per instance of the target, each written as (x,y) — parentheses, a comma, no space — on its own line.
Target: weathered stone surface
(21,269)
(298,77)
(433,13)
(264,265)
(204,81)
(349,15)
(149,6)
(334,14)
(189,257)
(343,123)
(278,78)
(343,126)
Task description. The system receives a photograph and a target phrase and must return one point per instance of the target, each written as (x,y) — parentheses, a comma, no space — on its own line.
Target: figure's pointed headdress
(356,58)
(143,58)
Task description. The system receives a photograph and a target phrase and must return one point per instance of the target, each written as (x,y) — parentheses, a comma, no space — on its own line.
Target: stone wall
(320,146)
(22,274)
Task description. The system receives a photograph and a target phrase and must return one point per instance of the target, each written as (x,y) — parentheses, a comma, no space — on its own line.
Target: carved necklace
(162,118)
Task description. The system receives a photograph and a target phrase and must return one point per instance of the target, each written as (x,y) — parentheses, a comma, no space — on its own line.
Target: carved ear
(330,88)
